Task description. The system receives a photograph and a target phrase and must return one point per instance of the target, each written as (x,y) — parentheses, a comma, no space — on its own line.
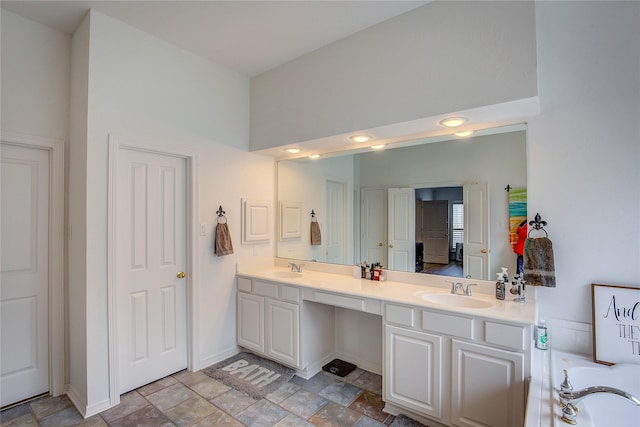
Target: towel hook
(221,216)
(538,224)
(313,216)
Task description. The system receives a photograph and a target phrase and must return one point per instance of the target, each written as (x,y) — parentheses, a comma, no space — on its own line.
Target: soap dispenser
(499,286)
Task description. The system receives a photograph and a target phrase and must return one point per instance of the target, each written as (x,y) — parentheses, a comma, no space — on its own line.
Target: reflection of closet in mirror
(440,230)
(408,229)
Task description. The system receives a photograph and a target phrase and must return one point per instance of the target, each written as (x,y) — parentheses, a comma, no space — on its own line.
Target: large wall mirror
(435,205)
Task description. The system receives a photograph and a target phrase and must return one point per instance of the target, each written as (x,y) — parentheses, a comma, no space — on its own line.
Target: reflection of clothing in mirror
(521,231)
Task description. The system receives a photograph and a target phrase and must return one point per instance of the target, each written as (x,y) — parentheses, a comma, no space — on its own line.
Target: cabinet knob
(181,275)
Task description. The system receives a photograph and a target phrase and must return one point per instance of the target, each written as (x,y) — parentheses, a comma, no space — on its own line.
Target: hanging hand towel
(539,268)
(223,245)
(315,233)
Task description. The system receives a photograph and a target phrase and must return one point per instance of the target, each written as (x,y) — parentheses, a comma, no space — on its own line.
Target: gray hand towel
(316,238)
(539,268)
(223,245)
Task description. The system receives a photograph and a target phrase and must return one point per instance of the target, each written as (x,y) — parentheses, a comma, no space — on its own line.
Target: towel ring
(538,225)
(221,218)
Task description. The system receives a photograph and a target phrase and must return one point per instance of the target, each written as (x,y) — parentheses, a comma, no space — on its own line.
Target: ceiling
(250,37)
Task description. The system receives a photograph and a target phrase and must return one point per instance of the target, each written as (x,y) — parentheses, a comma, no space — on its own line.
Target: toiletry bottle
(499,286)
(541,336)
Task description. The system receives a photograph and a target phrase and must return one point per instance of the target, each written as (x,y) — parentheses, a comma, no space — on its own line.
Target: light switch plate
(204,228)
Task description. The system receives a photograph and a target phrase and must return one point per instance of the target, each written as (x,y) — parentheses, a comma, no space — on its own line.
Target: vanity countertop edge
(393,292)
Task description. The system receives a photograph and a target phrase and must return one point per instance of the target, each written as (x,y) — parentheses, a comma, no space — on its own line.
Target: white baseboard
(219,357)
(87,410)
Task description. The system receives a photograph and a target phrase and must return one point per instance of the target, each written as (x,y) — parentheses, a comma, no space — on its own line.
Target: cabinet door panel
(488,386)
(413,366)
(250,329)
(282,331)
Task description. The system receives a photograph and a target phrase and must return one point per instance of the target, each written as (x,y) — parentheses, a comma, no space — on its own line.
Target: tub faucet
(569,400)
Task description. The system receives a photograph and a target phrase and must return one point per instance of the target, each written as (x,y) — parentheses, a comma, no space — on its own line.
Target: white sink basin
(287,274)
(454,300)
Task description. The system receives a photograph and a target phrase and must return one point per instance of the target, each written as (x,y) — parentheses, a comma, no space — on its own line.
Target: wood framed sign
(616,324)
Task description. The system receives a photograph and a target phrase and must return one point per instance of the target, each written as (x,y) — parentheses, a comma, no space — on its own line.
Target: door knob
(380,244)
(181,275)
(391,246)
(484,251)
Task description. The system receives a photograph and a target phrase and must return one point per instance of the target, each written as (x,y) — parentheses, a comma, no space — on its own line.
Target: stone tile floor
(194,399)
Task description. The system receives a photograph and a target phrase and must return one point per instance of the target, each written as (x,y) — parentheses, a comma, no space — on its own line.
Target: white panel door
(476,234)
(402,229)
(373,226)
(151,254)
(24,282)
(335,224)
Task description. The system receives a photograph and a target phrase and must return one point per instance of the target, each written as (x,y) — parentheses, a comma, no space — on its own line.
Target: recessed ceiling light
(314,156)
(360,138)
(464,133)
(293,150)
(378,147)
(452,121)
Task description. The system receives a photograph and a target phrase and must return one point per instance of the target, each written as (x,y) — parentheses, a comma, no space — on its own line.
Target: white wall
(584,152)
(35,78)
(439,58)
(146,91)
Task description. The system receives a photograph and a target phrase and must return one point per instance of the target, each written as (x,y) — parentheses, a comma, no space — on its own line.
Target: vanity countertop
(394,292)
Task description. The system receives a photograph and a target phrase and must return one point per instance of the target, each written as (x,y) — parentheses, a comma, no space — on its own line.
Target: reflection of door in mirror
(476,238)
(435,231)
(335,223)
(402,227)
(373,225)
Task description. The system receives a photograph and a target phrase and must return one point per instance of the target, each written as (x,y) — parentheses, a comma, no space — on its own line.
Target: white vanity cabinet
(487,386)
(456,369)
(269,320)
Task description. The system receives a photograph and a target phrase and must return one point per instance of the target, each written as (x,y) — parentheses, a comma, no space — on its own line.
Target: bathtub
(601,409)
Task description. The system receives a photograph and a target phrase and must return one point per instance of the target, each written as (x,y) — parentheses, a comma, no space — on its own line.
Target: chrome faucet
(296,268)
(569,400)
(457,285)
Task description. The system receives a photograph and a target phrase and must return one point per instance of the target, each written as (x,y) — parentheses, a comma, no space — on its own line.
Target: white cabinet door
(250,328)
(488,386)
(413,370)
(282,325)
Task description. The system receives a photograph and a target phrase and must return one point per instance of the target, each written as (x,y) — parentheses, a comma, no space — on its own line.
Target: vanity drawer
(265,289)
(447,324)
(340,301)
(505,335)
(244,284)
(289,293)
(400,315)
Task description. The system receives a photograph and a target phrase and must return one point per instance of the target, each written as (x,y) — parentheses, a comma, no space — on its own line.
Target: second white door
(151,287)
